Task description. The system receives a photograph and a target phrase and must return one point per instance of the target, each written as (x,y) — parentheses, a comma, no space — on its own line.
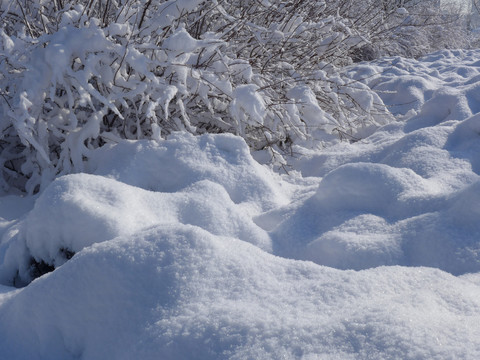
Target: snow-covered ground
(190,249)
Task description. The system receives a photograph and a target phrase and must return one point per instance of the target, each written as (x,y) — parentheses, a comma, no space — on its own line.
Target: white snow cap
(247,106)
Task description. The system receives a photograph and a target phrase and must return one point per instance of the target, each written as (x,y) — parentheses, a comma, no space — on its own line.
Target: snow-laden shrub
(77,74)
(408,28)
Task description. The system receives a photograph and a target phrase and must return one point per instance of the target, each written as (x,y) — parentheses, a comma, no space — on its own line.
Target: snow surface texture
(189,249)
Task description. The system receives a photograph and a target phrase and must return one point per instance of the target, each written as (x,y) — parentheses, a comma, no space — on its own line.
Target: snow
(308,104)
(180,42)
(188,248)
(247,107)
(184,291)
(184,159)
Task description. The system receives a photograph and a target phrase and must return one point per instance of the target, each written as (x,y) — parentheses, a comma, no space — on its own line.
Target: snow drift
(180,292)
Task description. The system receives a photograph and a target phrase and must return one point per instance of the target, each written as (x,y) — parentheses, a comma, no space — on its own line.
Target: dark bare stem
(25,21)
(145,8)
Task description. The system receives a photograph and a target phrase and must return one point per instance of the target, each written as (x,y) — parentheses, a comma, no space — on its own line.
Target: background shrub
(78,74)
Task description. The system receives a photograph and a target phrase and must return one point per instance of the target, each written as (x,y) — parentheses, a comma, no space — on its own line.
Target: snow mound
(79,210)
(463,142)
(439,87)
(373,188)
(190,292)
(407,195)
(183,159)
(208,181)
(395,199)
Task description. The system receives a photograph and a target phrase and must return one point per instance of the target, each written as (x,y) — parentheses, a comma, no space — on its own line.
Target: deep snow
(189,249)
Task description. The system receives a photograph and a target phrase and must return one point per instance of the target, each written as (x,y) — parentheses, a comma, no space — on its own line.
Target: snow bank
(204,177)
(180,291)
(369,214)
(408,194)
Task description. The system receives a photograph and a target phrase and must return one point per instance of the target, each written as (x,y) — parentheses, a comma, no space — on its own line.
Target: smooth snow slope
(189,249)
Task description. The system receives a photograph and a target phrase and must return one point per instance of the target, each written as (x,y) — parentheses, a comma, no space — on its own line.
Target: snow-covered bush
(410,28)
(77,74)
